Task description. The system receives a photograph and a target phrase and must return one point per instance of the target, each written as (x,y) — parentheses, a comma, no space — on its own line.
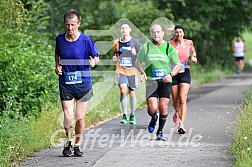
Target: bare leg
(152,103)
(68,107)
(241,65)
(175,97)
(183,93)
(80,120)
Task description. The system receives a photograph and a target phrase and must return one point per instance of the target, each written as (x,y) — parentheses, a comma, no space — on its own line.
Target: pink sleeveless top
(183,52)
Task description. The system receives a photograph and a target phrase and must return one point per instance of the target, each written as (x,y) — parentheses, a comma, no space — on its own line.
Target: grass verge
(21,137)
(201,75)
(248,42)
(242,134)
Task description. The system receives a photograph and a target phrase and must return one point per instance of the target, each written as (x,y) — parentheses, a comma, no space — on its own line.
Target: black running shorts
(158,88)
(83,96)
(184,77)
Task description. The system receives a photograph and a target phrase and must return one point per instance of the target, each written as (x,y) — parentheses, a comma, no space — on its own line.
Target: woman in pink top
(181,82)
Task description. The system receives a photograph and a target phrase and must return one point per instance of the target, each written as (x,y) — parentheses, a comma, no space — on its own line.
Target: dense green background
(28,84)
(28,29)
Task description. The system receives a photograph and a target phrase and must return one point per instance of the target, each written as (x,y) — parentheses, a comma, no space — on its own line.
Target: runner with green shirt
(154,63)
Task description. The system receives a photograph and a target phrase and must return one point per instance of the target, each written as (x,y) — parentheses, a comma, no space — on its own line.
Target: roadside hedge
(27,79)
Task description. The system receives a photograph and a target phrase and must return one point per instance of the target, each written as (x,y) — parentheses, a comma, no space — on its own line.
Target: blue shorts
(131,81)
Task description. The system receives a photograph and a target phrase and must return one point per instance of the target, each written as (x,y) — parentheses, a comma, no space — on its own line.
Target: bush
(27,78)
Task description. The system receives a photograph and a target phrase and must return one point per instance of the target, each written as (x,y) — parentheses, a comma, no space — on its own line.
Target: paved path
(211,111)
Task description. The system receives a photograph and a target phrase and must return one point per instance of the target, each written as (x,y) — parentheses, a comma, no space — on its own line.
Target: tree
(215,23)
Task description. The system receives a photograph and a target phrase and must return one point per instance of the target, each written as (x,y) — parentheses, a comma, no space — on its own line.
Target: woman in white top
(239,49)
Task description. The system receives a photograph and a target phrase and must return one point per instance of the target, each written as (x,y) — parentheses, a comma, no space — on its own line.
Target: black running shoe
(77,151)
(68,150)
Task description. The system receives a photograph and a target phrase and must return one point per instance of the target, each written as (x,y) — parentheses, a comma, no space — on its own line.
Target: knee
(163,109)
(132,95)
(175,103)
(152,108)
(182,99)
(68,115)
(123,93)
(80,121)
(79,117)
(68,122)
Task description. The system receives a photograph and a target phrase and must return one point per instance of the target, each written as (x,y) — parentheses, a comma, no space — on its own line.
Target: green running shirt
(156,62)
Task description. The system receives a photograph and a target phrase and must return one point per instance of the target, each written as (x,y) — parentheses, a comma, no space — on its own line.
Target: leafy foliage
(216,24)
(211,24)
(26,60)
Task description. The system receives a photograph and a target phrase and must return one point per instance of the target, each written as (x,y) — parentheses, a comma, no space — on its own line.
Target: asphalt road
(211,113)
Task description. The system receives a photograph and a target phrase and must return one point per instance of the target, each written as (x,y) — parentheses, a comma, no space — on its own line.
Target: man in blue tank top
(75,52)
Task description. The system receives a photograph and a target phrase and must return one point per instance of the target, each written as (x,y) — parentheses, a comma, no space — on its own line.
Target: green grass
(248,41)
(21,137)
(242,134)
(201,75)
(109,107)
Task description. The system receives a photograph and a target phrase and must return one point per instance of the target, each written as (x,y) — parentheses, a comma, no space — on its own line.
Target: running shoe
(77,151)
(152,124)
(124,119)
(238,71)
(160,137)
(181,129)
(68,150)
(132,119)
(175,117)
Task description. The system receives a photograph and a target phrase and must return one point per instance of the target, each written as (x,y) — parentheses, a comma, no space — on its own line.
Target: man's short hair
(125,23)
(71,13)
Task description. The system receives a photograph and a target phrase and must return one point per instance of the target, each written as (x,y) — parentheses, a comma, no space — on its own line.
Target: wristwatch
(171,74)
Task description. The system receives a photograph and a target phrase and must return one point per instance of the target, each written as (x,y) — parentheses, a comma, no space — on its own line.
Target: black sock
(153,117)
(162,120)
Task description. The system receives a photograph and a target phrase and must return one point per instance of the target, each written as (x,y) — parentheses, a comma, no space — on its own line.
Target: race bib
(125,61)
(158,73)
(182,70)
(73,77)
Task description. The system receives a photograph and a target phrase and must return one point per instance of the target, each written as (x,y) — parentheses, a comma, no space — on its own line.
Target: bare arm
(174,72)
(244,48)
(193,52)
(58,69)
(233,48)
(141,70)
(176,69)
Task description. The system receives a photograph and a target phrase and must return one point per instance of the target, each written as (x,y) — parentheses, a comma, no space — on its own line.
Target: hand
(58,70)
(91,61)
(143,77)
(167,78)
(194,59)
(115,57)
(133,51)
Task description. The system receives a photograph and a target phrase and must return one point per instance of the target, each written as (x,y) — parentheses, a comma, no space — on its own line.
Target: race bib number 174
(73,77)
